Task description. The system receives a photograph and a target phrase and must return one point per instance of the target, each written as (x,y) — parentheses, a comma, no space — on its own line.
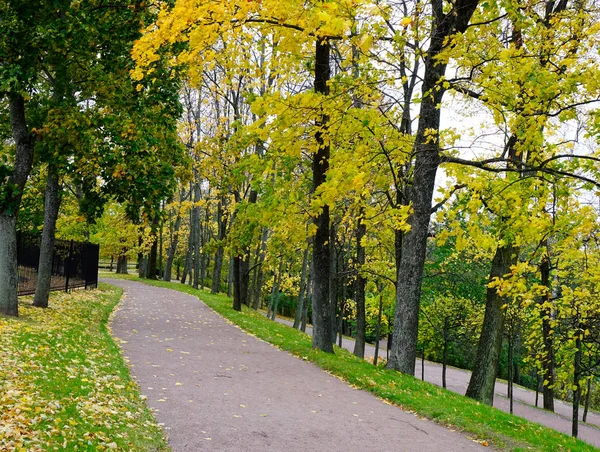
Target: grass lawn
(483,423)
(63,382)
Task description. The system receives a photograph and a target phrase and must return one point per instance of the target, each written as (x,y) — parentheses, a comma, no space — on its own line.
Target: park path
(457,381)
(214,387)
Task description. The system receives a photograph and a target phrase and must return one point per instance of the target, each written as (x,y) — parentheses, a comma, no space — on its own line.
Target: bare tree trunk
(256,304)
(237,296)
(187,267)
(230,277)
(510,372)
(221,232)
(10,203)
(309,290)
(576,385)
(378,329)
(142,261)
(174,242)
(420,195)
(321,305)
(51,208)
(548,359)
(301,295)
(275,293)
(483,377)
(587,400)
(444,359)
(333,280)
(195,229)
(122,264)
(9,302)
(152,257)
(361,319)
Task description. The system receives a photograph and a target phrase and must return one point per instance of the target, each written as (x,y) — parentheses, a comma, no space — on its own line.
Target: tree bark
(237,299)
(9,302)
(196,235)
(221,232)
(167,274)
(361,320)
(587,400)
(9,206)
(427,160)
(548,359)
(321,306)
(256,303)
(309,290)
(141,259)
(51,207)
(153,256)
(301,295)
(483,377)
(275,293)
(378,329)
(122,264)
(187,267)
(576,384)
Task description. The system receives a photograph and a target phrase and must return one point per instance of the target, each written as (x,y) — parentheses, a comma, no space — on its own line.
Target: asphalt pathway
(457,380)
(214,387)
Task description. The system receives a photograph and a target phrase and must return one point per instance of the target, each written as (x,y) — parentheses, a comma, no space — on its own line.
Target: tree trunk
(548,358)
(195,229)
(173,248)
(321,306)
(587,400)
(237,301)
(141,259)
(420,195)
(10,201)
(301,296)
(245,279)
(576,384)
(309,290)
(408,289)
(187,267)
(333,293)
(444,360)
(51,207)
(361,320)
(221,232)
(153,256)
(378,328)
(510,372)
(9,301)
(483,377)
(275,294)
(230,277)
(122,264)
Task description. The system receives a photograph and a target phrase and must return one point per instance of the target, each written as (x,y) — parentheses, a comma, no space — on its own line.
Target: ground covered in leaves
(63,382)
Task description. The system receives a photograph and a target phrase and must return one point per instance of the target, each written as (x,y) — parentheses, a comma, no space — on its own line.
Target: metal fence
(74,264)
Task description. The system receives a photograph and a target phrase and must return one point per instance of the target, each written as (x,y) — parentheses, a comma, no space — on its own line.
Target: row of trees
(314,136)
(74,121)
(324,125)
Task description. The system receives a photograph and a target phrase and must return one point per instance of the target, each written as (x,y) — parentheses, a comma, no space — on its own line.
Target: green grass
(478,421)
(63,382)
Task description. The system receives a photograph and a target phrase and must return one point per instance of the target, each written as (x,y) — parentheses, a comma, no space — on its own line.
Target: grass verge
(63,382)
(483,423)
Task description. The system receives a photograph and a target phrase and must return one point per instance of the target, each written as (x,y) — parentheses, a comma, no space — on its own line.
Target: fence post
(68,266)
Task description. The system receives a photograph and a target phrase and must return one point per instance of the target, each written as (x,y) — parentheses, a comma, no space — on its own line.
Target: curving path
(457,381)
(216,388)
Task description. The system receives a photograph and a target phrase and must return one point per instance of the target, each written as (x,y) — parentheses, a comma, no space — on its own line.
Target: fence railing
(74,264)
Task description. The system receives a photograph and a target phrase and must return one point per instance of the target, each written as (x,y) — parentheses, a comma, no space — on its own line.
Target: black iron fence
(74,264)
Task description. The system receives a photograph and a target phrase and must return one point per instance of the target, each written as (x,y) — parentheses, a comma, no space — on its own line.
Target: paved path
(524,399)
(217,388)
